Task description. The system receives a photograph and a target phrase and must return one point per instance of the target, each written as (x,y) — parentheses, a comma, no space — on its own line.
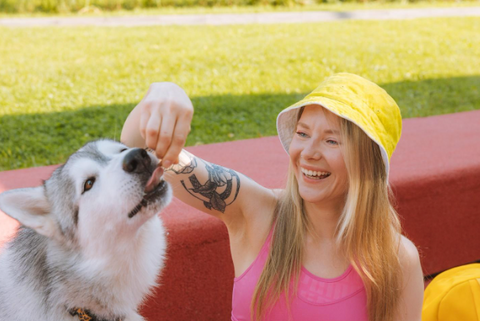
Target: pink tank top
(339,299)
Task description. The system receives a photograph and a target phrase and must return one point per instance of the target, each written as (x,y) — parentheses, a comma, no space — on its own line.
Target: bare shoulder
(277,192)
(411,297)
(408,254)
(260,205)
(266,205)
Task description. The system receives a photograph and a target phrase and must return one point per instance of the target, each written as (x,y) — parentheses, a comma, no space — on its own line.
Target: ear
(30,207)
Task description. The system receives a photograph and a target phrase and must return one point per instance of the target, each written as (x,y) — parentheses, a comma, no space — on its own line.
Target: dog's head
(105,192)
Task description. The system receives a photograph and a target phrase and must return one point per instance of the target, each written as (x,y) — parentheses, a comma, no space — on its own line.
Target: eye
(301,134)
(88,184)
(122,150)
(332,142)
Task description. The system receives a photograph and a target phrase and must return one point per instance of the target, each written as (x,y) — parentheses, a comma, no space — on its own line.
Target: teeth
(313,173)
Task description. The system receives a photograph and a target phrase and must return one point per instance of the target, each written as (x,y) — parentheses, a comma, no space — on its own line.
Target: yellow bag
(453,295)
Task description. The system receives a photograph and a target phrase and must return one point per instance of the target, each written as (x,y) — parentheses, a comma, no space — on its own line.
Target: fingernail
(166,163)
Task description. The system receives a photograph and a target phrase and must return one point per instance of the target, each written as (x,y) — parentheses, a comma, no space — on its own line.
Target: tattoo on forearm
(179,169)
(219,191)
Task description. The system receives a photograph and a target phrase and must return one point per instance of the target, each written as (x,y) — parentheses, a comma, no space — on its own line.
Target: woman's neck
(324,218)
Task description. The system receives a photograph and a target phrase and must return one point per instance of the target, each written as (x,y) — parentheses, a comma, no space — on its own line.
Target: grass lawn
(334,6)
(61,87)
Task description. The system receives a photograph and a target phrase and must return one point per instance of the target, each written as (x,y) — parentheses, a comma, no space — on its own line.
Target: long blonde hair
(368,231)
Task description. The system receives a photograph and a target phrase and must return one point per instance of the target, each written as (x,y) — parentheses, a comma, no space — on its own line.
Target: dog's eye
(124,149)
(88,184)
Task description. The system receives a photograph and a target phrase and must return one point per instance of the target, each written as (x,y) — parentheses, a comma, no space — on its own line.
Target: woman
(329,246)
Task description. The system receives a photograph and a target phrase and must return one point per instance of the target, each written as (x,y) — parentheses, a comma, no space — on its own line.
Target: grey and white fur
(89,237)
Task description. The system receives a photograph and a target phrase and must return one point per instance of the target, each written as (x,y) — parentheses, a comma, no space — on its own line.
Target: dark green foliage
(55,6)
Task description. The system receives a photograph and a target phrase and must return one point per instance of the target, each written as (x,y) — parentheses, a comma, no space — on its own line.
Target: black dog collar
(85,315)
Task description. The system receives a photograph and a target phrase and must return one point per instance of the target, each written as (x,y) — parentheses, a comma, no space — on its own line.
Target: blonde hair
(368,230)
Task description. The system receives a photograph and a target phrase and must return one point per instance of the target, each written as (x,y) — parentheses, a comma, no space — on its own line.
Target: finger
(152,130)
(144,116)
(165,135)
(179,137)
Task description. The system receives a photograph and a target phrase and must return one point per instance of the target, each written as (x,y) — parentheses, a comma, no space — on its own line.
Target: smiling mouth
(314,174)
(154,188)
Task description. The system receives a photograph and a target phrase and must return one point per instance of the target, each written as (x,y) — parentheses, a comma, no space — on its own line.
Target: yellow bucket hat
(356,99)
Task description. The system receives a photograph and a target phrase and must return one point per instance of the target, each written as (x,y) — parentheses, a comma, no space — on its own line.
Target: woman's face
(317,156)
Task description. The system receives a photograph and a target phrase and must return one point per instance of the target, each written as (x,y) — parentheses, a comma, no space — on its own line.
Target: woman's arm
(217,190)
(411,298)
(161,122)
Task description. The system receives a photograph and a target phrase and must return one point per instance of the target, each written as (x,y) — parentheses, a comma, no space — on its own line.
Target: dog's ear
(30,207)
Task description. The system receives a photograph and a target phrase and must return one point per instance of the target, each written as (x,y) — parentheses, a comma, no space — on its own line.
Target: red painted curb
(435,174)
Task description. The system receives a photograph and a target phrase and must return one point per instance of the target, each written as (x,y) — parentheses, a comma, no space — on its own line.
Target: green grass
(333,6)
(60,87)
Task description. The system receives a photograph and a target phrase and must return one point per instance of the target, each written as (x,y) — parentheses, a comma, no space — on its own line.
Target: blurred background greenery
(146,6)
(61,87)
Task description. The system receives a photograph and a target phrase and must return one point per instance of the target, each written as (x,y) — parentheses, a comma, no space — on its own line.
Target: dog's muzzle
(136,161)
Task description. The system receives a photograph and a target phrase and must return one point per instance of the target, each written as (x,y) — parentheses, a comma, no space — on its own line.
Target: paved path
(243,18)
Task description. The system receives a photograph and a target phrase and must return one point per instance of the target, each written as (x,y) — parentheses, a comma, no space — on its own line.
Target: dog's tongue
(154,180)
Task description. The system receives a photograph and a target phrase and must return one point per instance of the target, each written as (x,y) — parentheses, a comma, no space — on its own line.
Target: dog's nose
(136,161)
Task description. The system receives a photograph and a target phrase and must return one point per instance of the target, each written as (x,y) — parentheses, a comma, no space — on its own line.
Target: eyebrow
(326,131)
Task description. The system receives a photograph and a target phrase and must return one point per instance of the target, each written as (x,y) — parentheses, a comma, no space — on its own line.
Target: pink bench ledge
(435,174)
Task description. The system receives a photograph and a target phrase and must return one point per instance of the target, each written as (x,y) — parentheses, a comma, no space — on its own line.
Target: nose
(311,151)
(136,161)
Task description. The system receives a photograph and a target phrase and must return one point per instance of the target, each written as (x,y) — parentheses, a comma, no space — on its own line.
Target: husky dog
(90,245)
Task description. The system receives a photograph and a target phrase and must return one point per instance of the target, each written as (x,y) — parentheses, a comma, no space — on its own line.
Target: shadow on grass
(44,139)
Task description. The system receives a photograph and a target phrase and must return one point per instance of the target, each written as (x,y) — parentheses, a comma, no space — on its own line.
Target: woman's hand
(161,121)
